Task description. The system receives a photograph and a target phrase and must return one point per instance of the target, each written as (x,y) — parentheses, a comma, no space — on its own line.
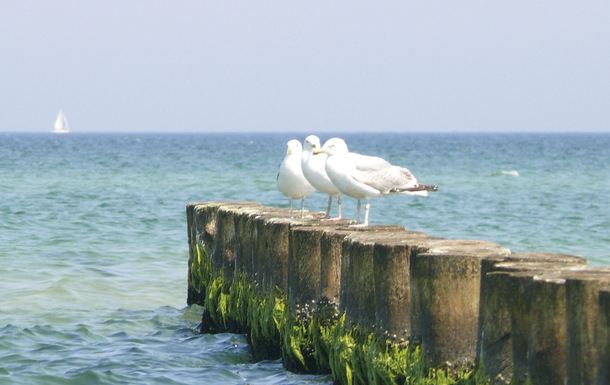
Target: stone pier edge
(387,305)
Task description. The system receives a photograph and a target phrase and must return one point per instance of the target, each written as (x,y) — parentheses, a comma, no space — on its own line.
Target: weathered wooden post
(331,252)
(392,271)
(603,337)
(358,287)
(245,240)
(202,222)
(538,317)
(582,308)
(270,245)
(446,281)
(494,344)
(273,247)
(305,262)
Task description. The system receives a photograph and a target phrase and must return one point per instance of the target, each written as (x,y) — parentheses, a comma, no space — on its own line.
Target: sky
(305,66)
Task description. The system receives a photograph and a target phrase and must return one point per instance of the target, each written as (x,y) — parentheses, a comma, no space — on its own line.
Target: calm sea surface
(93,243)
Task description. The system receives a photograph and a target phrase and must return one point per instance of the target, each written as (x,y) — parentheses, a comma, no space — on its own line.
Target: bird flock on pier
(333,170)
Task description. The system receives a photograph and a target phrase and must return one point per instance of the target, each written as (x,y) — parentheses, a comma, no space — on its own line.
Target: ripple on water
(155,346)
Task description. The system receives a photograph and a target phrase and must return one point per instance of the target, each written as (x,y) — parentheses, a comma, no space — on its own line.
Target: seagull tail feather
(420,188)
(427,187)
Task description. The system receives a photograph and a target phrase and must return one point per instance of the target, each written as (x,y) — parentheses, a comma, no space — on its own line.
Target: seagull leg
(339,204)
(330,202)
(290,207)
(302,207)
(366,213)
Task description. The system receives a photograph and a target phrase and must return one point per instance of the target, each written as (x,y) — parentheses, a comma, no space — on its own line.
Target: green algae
(316,339)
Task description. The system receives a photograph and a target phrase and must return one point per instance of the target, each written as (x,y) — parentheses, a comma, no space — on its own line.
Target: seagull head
(312,143)
(294,146)
(334,146)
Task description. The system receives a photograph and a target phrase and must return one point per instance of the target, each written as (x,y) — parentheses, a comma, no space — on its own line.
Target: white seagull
(315,172)
(366,177)
(290,179)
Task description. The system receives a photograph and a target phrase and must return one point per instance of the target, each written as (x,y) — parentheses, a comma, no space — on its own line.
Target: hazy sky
(306,66)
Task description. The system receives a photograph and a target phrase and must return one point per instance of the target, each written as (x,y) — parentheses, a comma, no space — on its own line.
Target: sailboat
(61,124)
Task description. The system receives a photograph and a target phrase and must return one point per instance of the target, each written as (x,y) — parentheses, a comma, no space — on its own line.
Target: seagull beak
(320,151)
(289,151)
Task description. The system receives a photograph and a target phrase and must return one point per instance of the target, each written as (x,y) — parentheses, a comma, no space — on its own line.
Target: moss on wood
(315,340)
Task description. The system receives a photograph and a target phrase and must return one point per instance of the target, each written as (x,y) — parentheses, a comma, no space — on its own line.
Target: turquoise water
(93,243)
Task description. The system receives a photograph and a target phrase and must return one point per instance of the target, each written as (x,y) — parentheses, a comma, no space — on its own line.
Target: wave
(509,172)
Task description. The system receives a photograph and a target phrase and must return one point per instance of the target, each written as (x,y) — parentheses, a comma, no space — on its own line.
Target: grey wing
(388,180)
(369,163)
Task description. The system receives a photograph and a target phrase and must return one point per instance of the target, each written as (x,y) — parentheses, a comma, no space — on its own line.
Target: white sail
(61,123)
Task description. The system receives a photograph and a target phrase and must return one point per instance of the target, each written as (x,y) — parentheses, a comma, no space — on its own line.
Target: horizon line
(306,132)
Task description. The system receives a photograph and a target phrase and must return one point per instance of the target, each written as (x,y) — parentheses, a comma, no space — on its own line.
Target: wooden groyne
(537,317)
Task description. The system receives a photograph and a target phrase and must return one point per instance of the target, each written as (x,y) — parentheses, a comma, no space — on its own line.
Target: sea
(93,240)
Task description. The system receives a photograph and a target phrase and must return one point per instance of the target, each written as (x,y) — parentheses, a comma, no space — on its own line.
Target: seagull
(315,172)
(365,177)
(290,179)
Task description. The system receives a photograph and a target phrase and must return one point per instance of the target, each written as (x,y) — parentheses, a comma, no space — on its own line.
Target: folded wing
(390,180)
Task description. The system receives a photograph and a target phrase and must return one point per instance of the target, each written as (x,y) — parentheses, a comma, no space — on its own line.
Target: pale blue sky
(306,66)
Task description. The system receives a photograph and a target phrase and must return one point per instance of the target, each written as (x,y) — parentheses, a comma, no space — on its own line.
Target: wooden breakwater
(538,317)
